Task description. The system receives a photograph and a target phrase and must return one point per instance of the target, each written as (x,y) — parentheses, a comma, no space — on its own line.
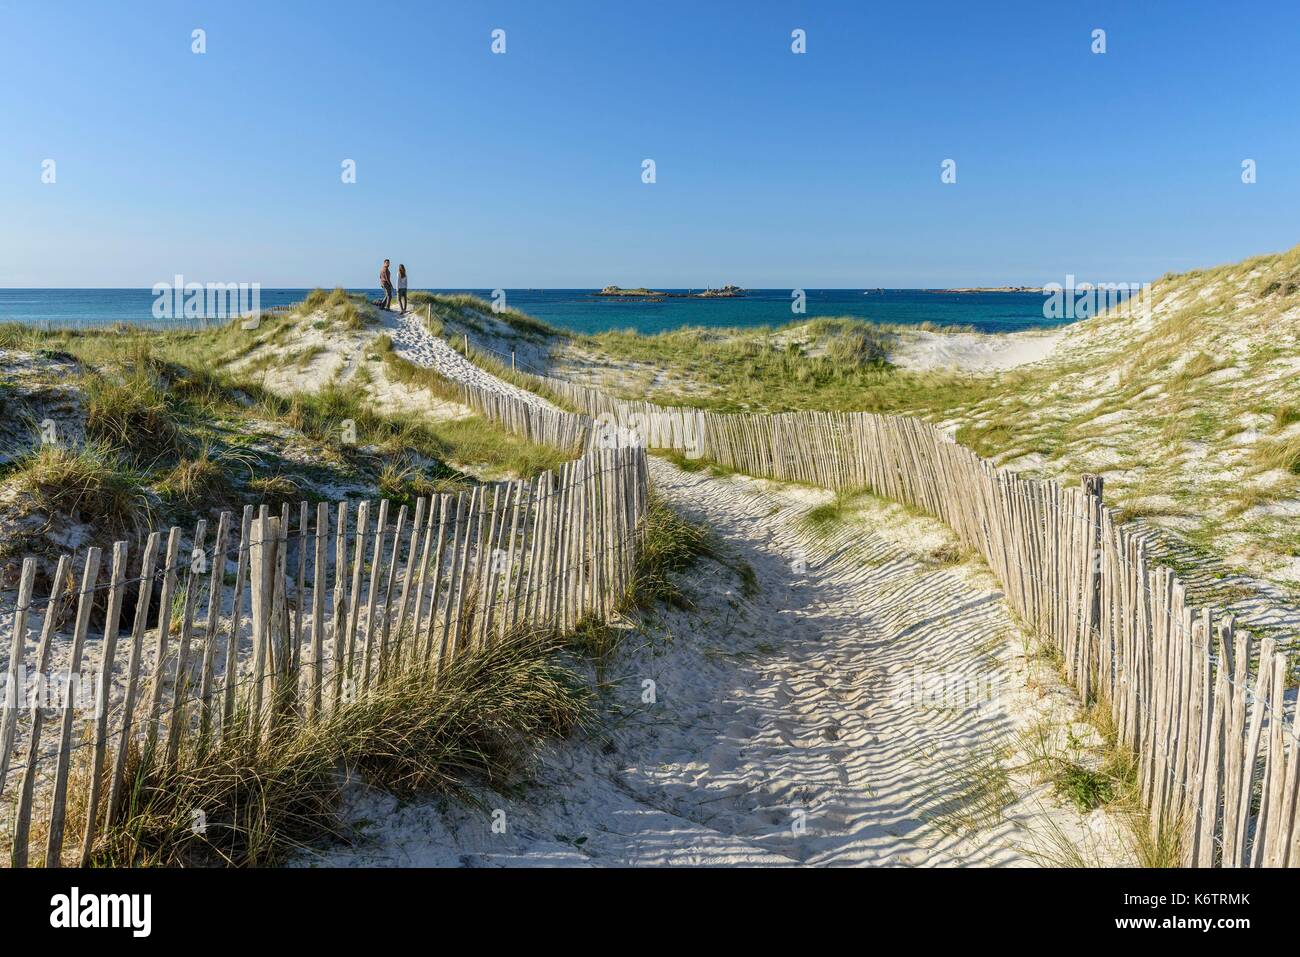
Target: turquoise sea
(578,310)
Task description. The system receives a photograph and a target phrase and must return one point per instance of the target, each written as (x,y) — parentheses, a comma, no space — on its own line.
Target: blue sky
(524,169)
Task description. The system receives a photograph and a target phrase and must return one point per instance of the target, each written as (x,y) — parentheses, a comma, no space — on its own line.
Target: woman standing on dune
(401,287)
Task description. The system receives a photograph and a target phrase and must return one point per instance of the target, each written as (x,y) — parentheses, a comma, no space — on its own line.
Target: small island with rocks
(728,291)
(643,294)
(639,293)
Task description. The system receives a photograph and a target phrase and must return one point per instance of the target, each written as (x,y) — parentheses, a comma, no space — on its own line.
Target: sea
(580,311)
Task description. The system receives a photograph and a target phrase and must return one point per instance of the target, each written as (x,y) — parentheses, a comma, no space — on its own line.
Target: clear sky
(524,169)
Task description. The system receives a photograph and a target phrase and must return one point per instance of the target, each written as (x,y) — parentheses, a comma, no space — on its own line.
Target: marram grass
(249,801)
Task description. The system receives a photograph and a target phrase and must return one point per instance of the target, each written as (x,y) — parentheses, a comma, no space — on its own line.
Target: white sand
(413,342)
(787,726)
(920,350)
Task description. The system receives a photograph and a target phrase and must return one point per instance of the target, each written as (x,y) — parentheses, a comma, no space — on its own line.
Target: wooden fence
(1204,709)
(532,421)
(322,601)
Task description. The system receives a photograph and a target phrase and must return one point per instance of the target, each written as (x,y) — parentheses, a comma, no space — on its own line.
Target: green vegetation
(1087,789)
(193,481)
(825,518)
(348,309)
(1281,454)
(90,484)
(670,546)
(132,413)
(479,723)
(180,423)
(1092,770)
(828,364)
(476,314)
(275,490)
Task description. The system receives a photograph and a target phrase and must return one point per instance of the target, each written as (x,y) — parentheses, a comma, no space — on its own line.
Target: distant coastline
(990,289)
(581,310)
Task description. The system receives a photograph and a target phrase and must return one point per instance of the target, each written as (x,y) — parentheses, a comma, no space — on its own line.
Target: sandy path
(787,727)
(413,342)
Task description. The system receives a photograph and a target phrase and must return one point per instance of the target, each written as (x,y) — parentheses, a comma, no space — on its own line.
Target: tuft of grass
(822,518)
(949,553)
(134,413)
(858,346)
(403,483)
(1086,788)
(1281,454)
(350,310)
(1286,414)
(275,489)
(978,791)
(196,480)
(1114,784)
(683,462)
(91,484)
(670,545)
(1198,365)
(478,721)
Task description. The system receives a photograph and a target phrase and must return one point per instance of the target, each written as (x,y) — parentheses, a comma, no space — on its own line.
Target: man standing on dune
(386,282)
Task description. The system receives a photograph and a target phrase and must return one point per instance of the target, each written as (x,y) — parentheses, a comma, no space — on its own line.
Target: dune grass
(350,310)
(827,517)
(172,430)
(477,723)
(402,483)
(192,481)
(477,314)
(89,483)
(133,413)
(827,364)
(1093,771)
(670,546)
(976,794)
(1281,454)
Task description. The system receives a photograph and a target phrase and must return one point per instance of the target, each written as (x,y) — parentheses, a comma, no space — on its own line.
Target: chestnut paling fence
(1202,706)
(323,602)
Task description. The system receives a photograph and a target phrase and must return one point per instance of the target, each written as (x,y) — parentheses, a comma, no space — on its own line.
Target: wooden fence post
(1091,630)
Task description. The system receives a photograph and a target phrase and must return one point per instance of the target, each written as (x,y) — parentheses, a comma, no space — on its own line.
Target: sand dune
(919,349)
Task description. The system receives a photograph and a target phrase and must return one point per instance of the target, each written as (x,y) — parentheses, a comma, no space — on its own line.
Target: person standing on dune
(401,287)
(386,283)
